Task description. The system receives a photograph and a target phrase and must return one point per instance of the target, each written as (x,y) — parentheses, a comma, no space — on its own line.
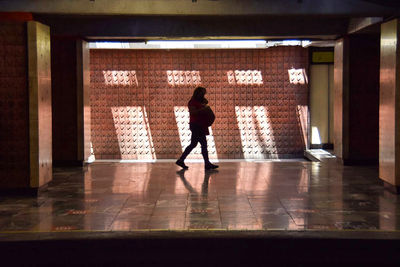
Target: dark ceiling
(217,19)
(139,27)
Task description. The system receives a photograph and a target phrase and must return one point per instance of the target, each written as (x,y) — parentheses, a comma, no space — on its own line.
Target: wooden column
(389,106)
(83,104)
(341,98)
(40,121)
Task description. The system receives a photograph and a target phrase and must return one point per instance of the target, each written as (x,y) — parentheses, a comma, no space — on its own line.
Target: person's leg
(193,144)
(204,152)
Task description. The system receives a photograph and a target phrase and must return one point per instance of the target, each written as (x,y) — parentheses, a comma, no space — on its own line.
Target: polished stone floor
(258,195)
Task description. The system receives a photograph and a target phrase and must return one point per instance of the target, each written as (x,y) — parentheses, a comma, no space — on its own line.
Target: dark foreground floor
(247,213)
(203,248)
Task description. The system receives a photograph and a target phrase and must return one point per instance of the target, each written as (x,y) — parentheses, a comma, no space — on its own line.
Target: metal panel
(388,106)
(83,103)
(338,97)
(39,104)
(14,134)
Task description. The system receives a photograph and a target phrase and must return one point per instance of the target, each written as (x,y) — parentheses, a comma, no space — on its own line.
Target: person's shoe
(210,166)
(181,164)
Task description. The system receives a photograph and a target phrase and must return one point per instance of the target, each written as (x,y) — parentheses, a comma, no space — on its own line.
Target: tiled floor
(263,195)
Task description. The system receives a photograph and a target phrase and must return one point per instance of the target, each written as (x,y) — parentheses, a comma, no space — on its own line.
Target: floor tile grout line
(154,208)
(186,209)
(123,205)
(219,208)
(254,214)
(288,213)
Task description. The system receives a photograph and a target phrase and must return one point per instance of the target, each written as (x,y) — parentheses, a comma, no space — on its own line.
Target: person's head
(199,93)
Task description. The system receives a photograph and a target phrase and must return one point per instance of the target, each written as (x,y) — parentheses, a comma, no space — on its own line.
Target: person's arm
(196,110)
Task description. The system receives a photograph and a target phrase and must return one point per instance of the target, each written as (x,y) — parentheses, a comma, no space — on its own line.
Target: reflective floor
(287,195)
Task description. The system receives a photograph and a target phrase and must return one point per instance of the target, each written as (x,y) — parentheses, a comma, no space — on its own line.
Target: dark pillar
(25,104)
(71,109)
(357,99)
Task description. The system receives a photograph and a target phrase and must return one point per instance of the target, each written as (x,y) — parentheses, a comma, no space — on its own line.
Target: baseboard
(321,146)
(68,163)
(23,191)
(360,162)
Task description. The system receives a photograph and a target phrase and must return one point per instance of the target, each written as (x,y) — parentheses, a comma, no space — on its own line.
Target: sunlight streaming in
(254,121)
(245,77)
(315,138)
(120,77)
(182,77)
(297,76)
(302,118)
(133,132)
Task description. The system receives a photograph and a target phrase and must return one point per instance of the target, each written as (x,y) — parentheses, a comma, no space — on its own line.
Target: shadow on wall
(139,102)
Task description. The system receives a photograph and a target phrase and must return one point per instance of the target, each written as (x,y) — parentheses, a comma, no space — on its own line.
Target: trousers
(198,136)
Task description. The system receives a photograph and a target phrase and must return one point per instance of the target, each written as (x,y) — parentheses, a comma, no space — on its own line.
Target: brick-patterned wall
(138,100)
(14,122)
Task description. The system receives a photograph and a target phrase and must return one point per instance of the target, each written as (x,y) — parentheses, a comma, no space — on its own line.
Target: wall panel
(40,118)
(14,119)
(139,98)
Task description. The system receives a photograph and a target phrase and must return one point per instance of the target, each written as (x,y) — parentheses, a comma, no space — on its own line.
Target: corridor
(241,195)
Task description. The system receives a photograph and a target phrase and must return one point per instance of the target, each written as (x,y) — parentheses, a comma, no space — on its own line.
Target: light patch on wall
(245,77)
(183,77)
(297,76)
(302,120)
(255,132)
(133,132)
(182,121)
(315,137)
(92,157)
(120,77)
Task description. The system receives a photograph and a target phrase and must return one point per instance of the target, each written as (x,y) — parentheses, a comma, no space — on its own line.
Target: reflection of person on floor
(201,117)
(199,213)
(204,186)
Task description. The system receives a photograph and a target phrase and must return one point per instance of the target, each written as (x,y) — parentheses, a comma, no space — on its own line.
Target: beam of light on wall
(133,132)
(302,120)
(245,77)
(315,137)
(182,77)
(297,76)
(92,157)
(182,121)
(120,77)
(255,132)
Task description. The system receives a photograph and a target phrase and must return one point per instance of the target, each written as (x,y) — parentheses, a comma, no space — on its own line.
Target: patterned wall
(14,121)
(139,97)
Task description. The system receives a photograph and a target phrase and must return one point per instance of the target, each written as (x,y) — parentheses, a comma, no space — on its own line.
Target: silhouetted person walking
(201,117)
